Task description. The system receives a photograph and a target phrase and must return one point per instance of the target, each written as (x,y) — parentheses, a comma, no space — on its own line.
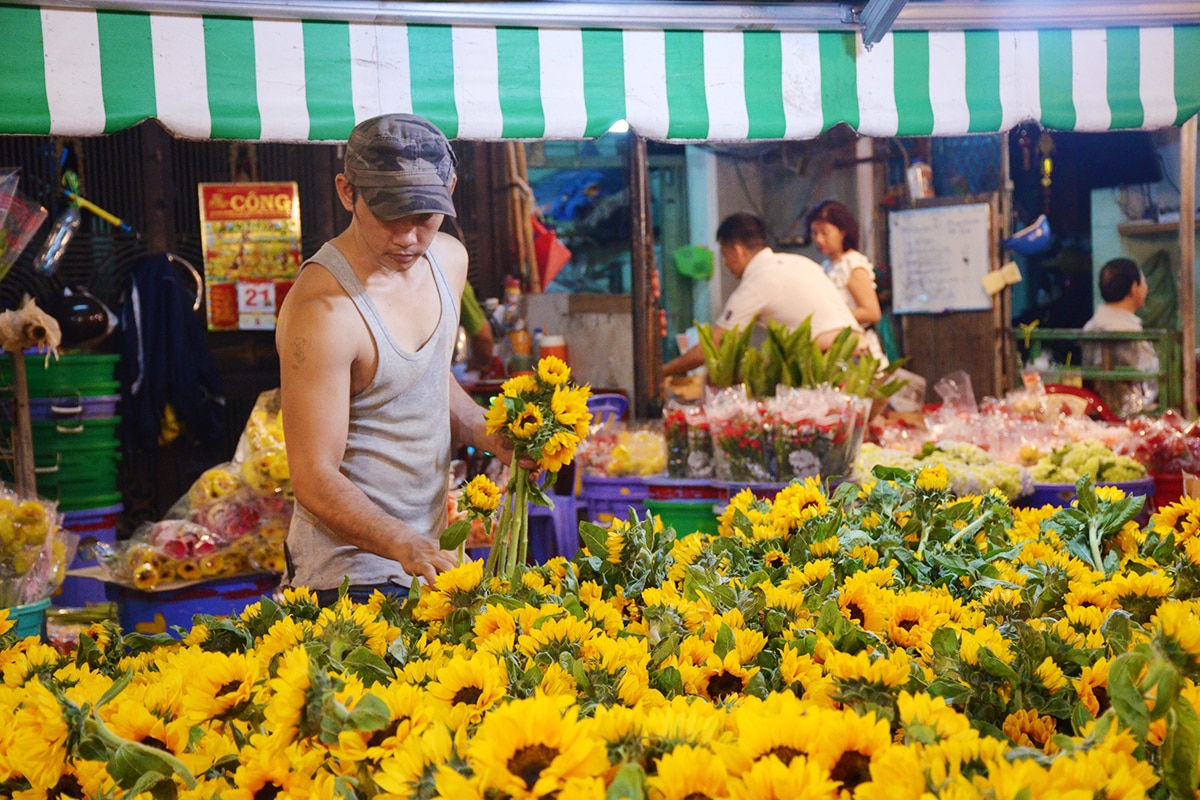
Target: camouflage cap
(401,164)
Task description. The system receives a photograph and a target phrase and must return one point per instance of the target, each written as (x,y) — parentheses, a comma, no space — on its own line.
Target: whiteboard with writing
(939,258)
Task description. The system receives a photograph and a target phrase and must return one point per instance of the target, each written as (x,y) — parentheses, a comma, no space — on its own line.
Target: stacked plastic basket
(73,405)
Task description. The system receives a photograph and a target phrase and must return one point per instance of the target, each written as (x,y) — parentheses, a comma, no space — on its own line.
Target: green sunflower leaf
(455,535)
(1179,753)
(628,784)
(594,538)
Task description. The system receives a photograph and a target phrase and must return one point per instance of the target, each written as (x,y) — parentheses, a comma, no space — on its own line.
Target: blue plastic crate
(158,612)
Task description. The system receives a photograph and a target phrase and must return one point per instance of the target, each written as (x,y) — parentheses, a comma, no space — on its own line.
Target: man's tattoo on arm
(300,348)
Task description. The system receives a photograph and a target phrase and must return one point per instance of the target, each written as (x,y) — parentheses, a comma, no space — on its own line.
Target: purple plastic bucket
(158,612)
(90,525)
(73,408)
(1063,494)
(607,498)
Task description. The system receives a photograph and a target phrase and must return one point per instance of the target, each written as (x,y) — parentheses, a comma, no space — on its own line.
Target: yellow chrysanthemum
(553,371)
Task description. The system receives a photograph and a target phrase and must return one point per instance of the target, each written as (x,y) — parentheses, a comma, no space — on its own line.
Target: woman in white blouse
(834,230)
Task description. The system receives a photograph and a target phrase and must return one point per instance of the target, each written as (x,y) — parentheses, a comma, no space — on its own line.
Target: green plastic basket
(72,374)
(685,516)
(29,620)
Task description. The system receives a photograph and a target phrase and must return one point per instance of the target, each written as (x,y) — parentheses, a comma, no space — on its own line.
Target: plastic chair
(607,408)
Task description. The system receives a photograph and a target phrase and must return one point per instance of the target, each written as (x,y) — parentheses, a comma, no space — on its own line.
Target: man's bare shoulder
(315,309)
(451,255)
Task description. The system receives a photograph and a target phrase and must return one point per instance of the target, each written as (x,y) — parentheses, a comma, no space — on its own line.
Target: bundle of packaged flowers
(741,445)
(891,643)
(815,432)
(233,519)
(1164,444)
(34,549)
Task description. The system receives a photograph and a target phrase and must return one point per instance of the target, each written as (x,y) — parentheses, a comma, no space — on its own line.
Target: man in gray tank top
(365,341)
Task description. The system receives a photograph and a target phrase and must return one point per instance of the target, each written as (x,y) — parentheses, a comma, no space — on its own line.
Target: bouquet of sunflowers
(545,418)
(34,549)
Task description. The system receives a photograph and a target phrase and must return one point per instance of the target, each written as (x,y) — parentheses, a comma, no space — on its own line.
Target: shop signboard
(251,251)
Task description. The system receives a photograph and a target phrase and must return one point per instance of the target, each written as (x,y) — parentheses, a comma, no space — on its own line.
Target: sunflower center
(783,753)
(856,613)
(851,769)
(226,688)
(907,624)
(775,560)
(383,734)
(696,796)
(1101,698)
(150,741)
(468,695)
(269,791)
(67,786)
(724,684)
(528,762)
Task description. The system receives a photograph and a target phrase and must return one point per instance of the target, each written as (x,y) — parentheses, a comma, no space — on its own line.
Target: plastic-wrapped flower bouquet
(545,417)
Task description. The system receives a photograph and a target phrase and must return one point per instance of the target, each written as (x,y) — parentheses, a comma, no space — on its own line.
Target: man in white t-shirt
(1123,288)
(782,287)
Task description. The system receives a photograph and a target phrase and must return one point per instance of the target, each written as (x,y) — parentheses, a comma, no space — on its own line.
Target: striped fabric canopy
(87,72)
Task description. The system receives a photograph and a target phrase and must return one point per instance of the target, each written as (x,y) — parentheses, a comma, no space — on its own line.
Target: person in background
(475,322)
(834,230)
(365,341)
(1123,288)
(782,287)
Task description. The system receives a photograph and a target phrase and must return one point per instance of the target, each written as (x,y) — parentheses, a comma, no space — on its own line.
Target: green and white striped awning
(85,72)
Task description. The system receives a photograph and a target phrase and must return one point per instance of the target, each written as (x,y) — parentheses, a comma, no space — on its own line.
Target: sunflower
(527,422)
(520,386)
(845,743)
(1140,595)
(760,734)
(558,451)
(569,406)
(38,748)
(802,676)
(461,580)
(1092,687)
(415,761)
(933,478)
(465,688)
(1050,675)
(925,719)
(555,635)
(971,641)
(287,705)
(533,747)
(1027,728)
(269,767)
(481,494)
(689,773)
(725,677)
(497,414)
(553,371)
(130,719)
(1177,635)
(864,603)
(912,621)
(797,503)
(1181,518)
(897,773)
(220,685)
(409,715)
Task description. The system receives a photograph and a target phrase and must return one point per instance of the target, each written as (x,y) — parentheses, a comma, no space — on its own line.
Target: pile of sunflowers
(884,641)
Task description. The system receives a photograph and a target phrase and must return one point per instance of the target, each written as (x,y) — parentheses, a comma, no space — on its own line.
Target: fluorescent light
(620,126)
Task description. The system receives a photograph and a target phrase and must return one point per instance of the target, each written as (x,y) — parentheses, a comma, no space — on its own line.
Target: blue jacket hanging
(169,380)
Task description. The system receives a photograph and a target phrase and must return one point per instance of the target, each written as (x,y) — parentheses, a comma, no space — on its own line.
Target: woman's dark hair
(1117,279)
(838,216)
(743,228)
